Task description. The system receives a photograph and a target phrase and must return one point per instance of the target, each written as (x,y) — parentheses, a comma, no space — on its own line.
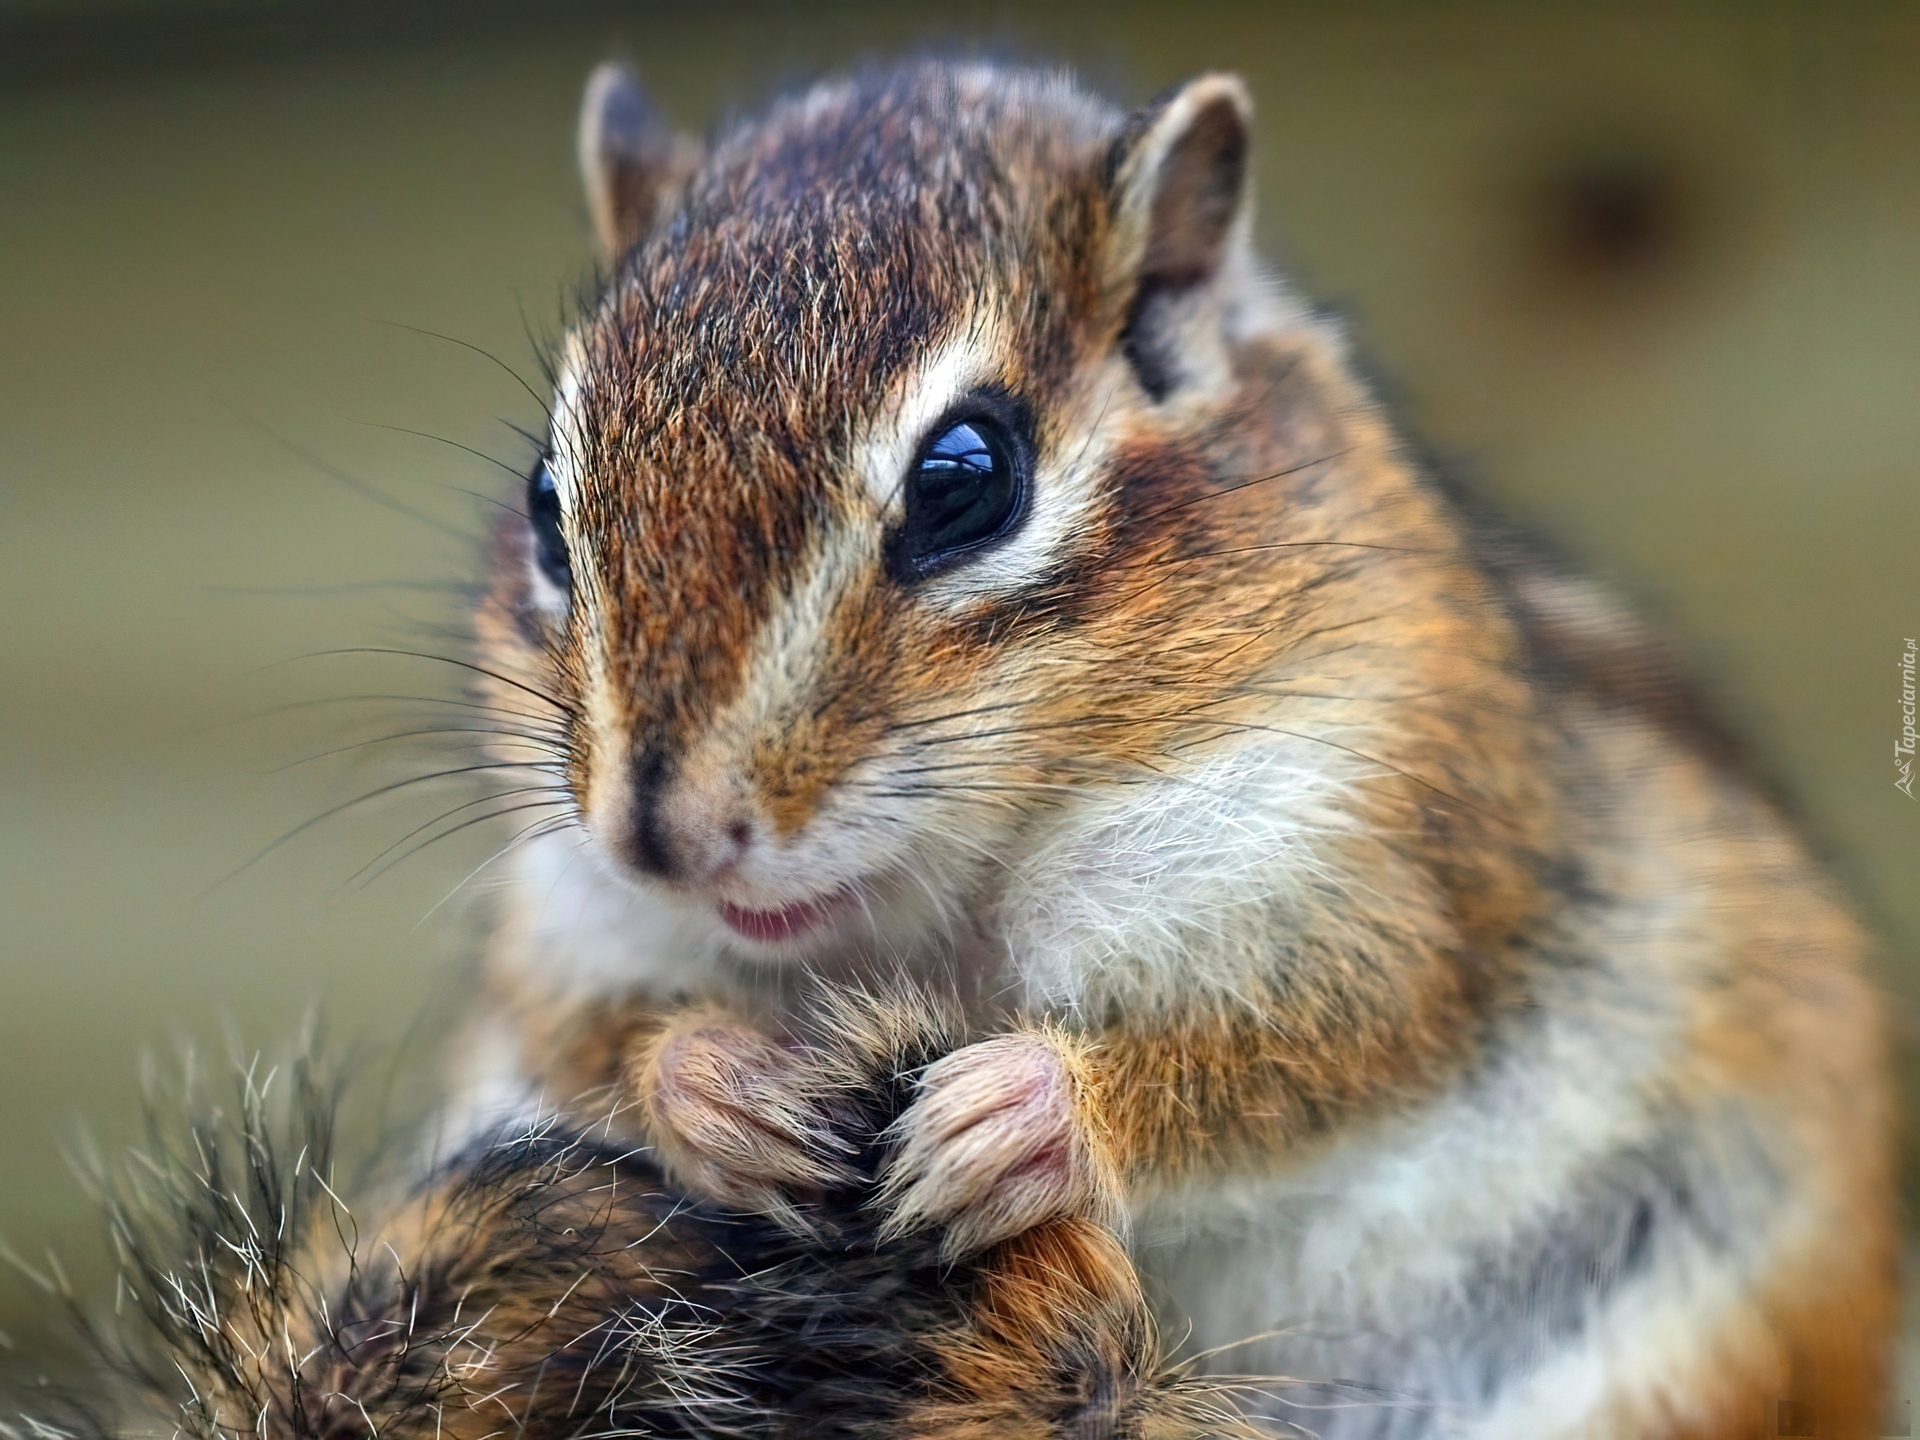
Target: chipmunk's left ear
(1179,177)
(632,161)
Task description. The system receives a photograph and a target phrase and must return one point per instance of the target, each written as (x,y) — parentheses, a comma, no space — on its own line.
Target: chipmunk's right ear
(632,161)
(1181,198)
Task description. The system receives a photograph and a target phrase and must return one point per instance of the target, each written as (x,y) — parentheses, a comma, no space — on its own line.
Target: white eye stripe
(1067,495)
(565,438)
(954,370)
(1066,490)
(546,595)
(562,466)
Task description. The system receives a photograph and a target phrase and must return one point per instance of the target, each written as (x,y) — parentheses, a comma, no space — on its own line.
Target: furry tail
(546,1284)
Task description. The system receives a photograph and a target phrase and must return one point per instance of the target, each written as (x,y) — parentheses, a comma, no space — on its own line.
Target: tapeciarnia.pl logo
(1903,747)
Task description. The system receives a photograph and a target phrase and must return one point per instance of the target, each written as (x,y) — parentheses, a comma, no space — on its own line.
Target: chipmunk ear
(1182,211)
(632,161)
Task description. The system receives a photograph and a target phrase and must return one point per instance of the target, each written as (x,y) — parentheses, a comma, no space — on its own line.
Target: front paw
(1001,1138)
(737,1117)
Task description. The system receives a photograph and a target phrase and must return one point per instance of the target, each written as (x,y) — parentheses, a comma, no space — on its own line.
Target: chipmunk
(550,1282)
(955,556)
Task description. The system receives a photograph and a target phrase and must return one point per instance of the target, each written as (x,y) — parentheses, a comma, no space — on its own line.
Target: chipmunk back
(954,554)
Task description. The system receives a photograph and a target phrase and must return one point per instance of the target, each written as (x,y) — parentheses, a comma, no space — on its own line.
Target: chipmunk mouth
(774,927)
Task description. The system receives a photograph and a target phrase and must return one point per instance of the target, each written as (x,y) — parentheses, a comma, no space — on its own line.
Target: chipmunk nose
(683,827)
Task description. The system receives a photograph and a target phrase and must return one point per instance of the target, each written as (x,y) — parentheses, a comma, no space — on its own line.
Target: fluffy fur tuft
(547,1283)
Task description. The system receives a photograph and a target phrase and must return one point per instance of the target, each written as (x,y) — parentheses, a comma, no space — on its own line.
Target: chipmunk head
(934,471)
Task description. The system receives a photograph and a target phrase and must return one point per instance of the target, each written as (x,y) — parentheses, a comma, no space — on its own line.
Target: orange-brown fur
(1525,794)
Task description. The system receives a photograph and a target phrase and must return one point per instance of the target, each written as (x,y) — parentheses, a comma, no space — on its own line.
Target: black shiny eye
(549,542)
(968,487)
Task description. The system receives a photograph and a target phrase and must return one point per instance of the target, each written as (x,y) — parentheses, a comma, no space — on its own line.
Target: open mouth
(770,927)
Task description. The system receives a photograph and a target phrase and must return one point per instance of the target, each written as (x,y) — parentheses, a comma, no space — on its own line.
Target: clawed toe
(996,1143)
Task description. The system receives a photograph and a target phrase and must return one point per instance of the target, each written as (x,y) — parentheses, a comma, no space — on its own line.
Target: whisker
(451,831)
(1264,631)
(951,715)
(292,705)
(480,495)
(1195,713)
(1243,485)
(1096,722)
(528,742)
(443,440)
(949,836)
(537,830)
(538,441)
(541,346)
(1034,728)
(558,790)
(1174,562)
(1280,545)
(562,706)
(356,587)
(997,762)
(366,490)
(905,792)
(1094,429)
(358,800)
(469,345)
(1371,760)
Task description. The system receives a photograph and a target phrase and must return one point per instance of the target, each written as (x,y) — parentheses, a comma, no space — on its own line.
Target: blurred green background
(1650,273)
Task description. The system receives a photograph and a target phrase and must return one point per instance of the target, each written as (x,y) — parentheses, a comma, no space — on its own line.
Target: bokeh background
(1650,274)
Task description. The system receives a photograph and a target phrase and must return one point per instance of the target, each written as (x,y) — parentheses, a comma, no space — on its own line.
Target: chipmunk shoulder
(955,557)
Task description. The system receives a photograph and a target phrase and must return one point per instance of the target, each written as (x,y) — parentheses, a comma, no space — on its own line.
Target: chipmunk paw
(739,1118)
(1000,1139)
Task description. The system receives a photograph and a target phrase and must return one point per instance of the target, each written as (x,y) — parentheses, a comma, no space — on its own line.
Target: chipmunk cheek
(804,755)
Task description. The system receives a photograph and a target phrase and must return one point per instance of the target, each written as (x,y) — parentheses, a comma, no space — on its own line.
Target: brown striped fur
(1478,825)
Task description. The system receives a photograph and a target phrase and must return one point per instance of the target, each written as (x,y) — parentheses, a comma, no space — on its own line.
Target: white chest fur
(1512,1260)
